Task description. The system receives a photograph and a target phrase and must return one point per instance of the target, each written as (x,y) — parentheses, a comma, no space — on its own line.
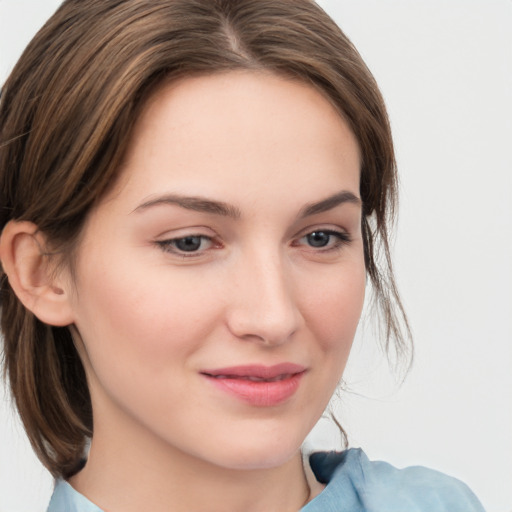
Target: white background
(445,68)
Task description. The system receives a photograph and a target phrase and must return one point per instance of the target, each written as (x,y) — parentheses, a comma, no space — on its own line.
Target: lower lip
(260,393)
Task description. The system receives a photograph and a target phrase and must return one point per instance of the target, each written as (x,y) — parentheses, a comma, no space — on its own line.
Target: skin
(148,318)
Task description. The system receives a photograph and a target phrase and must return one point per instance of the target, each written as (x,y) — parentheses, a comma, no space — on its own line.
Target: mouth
(258,385)
(252,379)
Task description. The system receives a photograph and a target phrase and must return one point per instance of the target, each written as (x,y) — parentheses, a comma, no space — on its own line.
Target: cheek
(157,318)
(332,314)
(334,309)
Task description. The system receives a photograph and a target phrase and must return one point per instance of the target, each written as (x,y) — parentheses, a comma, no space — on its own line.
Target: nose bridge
(264,306)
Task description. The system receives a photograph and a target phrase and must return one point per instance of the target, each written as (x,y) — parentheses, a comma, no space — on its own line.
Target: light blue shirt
(354,484)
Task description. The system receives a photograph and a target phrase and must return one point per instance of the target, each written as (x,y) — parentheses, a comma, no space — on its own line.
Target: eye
(318,238)
(186,245)
(325,239)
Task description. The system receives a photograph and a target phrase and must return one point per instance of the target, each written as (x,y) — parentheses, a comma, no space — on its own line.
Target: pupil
(189,243)
(318,239)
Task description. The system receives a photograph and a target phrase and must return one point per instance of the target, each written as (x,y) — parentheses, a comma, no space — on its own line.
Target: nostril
(249,326)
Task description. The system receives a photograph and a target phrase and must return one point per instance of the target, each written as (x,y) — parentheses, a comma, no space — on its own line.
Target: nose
(264,307)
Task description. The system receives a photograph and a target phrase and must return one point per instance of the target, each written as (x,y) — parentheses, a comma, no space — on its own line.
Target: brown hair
(66,114)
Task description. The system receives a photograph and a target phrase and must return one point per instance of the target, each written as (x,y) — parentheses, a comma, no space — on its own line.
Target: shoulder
(378,486)
(66,499)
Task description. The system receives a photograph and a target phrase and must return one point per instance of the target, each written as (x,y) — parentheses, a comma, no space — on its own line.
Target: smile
(260,386)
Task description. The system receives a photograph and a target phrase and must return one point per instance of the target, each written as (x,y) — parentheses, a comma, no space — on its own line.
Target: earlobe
(29,270)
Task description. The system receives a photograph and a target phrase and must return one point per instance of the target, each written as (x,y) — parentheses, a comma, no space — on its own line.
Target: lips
(258,385)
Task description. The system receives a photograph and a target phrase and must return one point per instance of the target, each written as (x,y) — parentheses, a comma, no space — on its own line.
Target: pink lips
(258,385)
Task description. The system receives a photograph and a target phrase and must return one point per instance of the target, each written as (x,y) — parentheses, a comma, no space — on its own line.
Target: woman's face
(219,285)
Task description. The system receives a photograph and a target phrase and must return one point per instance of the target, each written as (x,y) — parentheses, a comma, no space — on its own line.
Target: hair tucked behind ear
(66,115)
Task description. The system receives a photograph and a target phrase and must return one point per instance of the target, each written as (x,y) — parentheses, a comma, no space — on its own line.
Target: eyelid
(183,232)
(328,228)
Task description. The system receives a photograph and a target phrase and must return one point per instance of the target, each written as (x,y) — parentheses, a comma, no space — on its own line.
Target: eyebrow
(329,203)
(205,205)
(198,204)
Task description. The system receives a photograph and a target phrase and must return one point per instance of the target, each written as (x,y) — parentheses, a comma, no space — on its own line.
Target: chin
(257,461)
(253,451)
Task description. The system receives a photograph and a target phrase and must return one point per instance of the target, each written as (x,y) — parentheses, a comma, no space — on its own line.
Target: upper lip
(256,371)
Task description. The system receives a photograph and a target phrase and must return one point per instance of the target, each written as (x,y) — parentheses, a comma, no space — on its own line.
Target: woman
(193,196)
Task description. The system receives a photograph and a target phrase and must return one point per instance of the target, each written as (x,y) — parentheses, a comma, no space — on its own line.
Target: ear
(29,270)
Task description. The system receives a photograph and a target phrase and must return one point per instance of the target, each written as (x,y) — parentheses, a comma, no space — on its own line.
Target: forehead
(241,128)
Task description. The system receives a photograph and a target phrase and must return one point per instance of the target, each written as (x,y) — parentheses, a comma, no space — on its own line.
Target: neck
(129,471)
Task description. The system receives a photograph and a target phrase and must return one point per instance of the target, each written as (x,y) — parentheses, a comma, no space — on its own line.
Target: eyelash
(170,245)
(342,238)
